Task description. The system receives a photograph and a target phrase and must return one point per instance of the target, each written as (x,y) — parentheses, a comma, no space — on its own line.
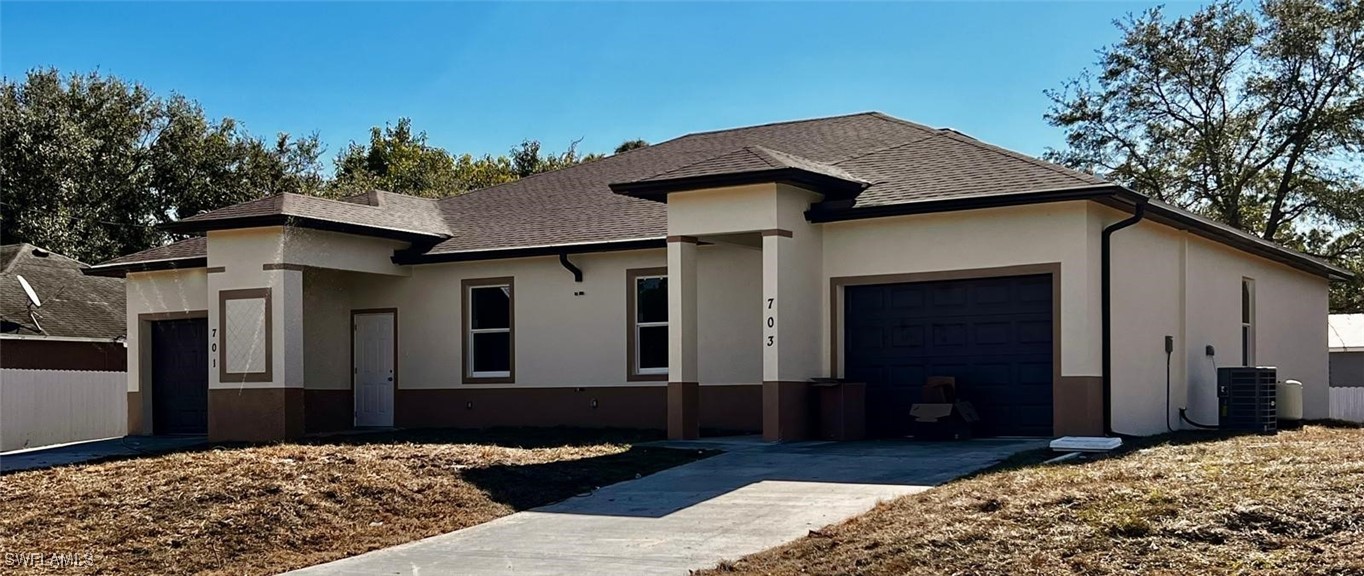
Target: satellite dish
(32,296)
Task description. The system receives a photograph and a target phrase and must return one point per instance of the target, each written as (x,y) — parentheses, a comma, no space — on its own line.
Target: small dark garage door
(994,335)
(180,376)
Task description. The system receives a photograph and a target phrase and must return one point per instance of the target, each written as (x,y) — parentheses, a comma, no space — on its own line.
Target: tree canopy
(629,145)
(1251,115)
(89,164)
(397,159)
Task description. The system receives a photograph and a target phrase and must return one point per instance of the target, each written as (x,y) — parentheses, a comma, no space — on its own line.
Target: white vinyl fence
(42,407)
(1347,403)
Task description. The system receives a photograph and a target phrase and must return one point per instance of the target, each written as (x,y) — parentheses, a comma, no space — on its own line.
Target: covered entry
(179,378)
(994,335)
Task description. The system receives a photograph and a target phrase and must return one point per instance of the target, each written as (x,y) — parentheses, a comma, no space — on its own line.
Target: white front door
(373,371)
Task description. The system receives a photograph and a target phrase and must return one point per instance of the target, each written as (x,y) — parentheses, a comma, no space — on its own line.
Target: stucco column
(683,387)
(255,388)
(790,316)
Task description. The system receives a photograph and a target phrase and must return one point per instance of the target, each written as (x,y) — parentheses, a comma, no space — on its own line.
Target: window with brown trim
(647,311)
(489,333)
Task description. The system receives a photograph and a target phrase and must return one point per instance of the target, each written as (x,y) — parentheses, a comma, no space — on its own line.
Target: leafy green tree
(629,145)
(89,164)
(527,158)
(1252,115)
(397,159)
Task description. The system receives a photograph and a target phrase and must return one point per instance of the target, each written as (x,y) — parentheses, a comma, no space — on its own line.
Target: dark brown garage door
(994,335)
(180,376)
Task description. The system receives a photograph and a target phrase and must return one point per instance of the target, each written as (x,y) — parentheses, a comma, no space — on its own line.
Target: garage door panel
(948,296)
(866,337)
(1034,331)
(994,335)
(909,336)
(988,333)
(908,299)
(948,336)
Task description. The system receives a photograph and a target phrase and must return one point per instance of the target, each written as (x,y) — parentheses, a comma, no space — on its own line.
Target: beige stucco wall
(157,292)
(973,240)
(564,339)
(327,329)
(241,255)
(1169,282)
(723,210)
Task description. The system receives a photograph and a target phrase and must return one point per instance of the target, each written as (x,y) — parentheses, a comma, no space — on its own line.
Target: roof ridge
(763,153)
(18,252)
(959,137)
(780,123)
(883,149)
(902,121)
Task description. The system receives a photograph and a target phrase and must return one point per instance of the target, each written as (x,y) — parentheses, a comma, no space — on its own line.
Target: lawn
(262,509)
(1185,504)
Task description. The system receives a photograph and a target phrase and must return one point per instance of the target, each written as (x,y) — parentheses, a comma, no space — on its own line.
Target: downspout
(1107,282)
(577,272)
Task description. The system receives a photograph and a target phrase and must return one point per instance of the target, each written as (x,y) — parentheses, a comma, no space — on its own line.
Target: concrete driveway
(748,499)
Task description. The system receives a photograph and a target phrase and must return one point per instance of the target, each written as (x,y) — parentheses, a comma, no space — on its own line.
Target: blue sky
(480,77)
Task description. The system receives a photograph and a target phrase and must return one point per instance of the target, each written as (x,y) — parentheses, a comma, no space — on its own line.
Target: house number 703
(771,322)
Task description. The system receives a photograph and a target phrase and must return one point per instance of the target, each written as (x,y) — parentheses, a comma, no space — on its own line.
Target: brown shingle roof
(186,249)
(381,211)
(751,159)
(899,163)
(73,304)
(576,205)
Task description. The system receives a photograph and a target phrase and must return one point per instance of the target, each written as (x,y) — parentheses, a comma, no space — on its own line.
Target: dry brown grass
(262,509)
(1286,504)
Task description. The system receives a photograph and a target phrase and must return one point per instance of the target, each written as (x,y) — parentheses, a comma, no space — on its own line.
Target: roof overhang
(199,226)
(1108,194)
(832,187)
(121,270)
(404,257)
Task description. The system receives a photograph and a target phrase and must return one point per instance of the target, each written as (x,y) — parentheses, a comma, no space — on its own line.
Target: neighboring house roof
(868,164)
(73,304)
(1346,333)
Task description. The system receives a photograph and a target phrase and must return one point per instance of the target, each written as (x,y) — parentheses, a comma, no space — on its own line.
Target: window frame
(218,336)
(1247,311)
(633,373)
(467,331)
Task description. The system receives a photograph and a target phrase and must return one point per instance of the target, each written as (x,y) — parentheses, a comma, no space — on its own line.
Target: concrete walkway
(692,516)
(76,453)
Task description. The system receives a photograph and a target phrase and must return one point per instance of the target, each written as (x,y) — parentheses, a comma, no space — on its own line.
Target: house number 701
(771,321)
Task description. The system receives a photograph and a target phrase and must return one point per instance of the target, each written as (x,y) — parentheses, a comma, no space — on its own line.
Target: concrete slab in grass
(745,500)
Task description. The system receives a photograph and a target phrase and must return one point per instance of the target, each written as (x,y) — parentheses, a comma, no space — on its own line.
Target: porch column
(683,387)
(791,311)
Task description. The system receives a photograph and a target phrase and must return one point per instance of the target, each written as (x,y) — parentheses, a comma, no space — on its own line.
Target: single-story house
(62,354)
(79,325)
(701,283)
